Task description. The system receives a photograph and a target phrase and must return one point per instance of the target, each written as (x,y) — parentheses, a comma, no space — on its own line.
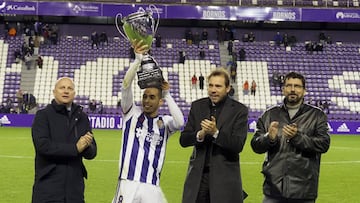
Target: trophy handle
(153,7)
(119,15)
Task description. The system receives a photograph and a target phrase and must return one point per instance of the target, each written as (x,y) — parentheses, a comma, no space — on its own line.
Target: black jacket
(224,161)
(59,169)
(291,167)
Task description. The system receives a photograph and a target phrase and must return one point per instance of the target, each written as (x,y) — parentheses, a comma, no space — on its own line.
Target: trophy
(142,26)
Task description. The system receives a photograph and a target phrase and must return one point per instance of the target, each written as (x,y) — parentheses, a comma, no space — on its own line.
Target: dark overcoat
(225,179)
(59,168)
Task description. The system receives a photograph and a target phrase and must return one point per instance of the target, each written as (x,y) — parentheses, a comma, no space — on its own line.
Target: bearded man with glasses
(293,136)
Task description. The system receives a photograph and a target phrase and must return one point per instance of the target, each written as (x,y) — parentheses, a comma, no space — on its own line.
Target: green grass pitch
(339,174)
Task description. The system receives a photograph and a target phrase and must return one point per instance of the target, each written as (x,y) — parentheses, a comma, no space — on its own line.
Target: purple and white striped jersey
(144,145)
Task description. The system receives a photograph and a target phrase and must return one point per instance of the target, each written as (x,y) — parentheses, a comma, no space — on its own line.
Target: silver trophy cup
(142,26)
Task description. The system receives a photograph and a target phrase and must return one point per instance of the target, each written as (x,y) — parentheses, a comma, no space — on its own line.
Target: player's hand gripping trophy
(142,26)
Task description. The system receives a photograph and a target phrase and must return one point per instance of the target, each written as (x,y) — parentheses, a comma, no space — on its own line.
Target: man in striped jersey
(145,134)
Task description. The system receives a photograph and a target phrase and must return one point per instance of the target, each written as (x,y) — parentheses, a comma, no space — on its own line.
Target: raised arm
(174,109)
(127,97)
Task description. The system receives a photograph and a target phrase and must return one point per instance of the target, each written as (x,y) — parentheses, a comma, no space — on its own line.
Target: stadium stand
(330,76)
(10,73)
(98,73)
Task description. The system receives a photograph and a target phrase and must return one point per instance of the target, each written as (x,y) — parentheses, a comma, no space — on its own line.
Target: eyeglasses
(297,87)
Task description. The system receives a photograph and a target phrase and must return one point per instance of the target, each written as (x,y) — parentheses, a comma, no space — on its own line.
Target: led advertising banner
(335,127)
(331,15)
(69,9)
(111,10)
(176,11)
(115,122)
(25,120)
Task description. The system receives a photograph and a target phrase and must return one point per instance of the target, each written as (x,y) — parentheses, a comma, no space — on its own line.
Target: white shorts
(128,191)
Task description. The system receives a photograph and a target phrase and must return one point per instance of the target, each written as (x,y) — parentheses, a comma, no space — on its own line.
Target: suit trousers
(204,192)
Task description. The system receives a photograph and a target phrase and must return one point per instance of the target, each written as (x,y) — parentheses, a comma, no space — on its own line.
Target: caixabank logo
(18,7)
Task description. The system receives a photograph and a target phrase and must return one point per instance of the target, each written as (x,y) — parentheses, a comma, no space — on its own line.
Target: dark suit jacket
(225,179)
(59,168)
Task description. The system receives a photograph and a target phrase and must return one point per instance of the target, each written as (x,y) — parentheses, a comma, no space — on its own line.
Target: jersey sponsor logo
(148,136)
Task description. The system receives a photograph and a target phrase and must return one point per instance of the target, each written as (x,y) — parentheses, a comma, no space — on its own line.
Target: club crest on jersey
(148,136)
(160,124)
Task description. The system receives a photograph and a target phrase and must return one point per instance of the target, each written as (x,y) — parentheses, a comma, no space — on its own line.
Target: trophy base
(150,75)
(150,78)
